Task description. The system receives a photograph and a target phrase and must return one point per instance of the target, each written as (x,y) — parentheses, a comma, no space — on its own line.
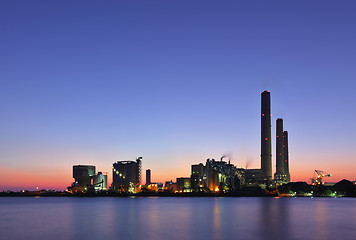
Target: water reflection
(177,218)
(275,218)
(320,217)
(216,220)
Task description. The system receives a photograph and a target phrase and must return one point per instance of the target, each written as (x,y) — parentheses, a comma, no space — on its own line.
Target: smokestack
(286,155)
(266,153)
(279,149)
(148,176)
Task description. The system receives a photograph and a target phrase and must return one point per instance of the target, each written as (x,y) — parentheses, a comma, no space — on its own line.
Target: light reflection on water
(177,218)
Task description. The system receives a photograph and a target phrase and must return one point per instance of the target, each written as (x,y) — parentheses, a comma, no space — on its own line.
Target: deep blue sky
(176,82)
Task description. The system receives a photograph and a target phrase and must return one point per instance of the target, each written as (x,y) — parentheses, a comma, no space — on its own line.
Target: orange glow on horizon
(60,178)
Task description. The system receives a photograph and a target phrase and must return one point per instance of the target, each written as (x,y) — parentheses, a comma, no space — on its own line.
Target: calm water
(177,218)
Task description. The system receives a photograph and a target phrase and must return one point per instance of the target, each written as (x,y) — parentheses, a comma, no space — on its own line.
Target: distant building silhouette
(279,175)
(282,168)
(286,156)
(127,175)
(148,177)
(197,176)
(266,153)
(183,184)
(85,179)
(83,174)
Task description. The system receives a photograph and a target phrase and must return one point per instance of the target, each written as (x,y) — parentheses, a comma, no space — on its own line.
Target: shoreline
(164,195)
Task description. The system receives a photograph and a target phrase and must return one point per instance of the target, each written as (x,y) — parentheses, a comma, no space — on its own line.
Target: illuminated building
(155,187)
(170,186)
(127,175)
(222,175)
(85,179)
(83,174)
(100,181)
(197,177)
(266,153)
(183,184)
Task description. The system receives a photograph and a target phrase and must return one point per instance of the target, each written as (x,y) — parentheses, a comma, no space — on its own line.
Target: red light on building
(263,114)
(277,135)
(280,154)
(266,139)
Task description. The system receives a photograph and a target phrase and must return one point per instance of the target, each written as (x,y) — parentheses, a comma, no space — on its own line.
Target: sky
(176,82)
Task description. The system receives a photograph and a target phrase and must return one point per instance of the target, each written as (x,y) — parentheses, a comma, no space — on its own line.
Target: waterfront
(177,218)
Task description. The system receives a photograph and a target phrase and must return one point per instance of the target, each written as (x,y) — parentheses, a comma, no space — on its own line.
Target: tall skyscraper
(286,156)
(279,175)
(266,153)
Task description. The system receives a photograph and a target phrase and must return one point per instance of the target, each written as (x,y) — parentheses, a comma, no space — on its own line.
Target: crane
(318,176)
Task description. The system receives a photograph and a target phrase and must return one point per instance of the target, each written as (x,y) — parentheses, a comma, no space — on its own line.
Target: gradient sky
(176,82)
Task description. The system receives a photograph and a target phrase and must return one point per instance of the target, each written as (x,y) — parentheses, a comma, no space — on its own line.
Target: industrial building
(155,187)
(100,182)
(214,176)
(183,184)
(198,177)
(85,179)
(170,186)
(221,175)
(252,176)
(83,174)
(127,176)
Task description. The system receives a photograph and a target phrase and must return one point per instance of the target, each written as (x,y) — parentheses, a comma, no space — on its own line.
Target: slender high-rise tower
(266,153)
(286,156)
(148,176)
(279,175)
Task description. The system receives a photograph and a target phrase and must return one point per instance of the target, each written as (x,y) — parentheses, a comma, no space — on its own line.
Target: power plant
(212,177)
